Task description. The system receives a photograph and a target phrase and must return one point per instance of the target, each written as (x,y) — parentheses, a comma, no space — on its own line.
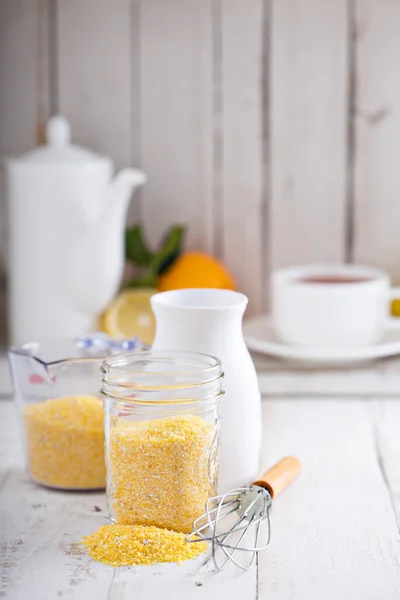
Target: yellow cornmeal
(159,472)
(65,442)
(123,545)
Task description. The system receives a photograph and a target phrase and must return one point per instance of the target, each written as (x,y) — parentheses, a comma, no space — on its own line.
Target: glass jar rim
(192,375)
(211,370)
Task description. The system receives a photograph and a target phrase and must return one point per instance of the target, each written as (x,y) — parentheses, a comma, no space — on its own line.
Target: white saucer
(259,337)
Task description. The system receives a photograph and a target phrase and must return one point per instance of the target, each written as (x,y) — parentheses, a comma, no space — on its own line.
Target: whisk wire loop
(253,506)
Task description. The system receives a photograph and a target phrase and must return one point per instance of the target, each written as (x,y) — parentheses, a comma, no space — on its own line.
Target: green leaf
(136,248)
(170,248)
(151,264)
(144,280)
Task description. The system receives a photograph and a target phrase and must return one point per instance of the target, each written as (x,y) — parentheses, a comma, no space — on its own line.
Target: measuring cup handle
(278,477)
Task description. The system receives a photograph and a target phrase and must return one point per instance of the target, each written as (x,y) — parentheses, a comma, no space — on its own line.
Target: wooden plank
(277,378)
(10,443)
(68,517)
(94,74)
(377,176)
(5,378)
(22,74)
(41,529)
(334,533)
(46,525)
(135,209)
(176,118)
(174,582)
(24,95)
(386,418)
(309,118)
(243,223)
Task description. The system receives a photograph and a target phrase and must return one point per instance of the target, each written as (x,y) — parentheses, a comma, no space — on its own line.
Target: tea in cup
(331,306)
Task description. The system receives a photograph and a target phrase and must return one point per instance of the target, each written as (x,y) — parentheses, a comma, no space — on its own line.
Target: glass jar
(57,389)
(162,422)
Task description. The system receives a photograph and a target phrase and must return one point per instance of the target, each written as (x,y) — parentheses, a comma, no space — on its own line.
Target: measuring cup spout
(28,370)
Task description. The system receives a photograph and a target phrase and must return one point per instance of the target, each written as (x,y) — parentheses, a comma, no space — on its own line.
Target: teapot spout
(119,193)
(98,259)
(123,184)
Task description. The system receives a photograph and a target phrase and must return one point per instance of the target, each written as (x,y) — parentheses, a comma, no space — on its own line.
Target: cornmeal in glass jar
(65,442)
(159,471)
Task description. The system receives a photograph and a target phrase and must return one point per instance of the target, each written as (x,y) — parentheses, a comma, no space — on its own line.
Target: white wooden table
(335,532)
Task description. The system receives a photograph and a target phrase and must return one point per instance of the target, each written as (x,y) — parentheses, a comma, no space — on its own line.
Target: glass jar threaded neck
(162,377)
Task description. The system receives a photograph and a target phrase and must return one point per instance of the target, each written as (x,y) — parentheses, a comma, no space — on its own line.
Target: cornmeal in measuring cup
(159,471)
(65,442)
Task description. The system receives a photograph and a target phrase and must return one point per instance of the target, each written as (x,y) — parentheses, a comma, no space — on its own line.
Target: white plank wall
(94,74)
(377,173)
(177,117)
(242,145)
(308,120)
(241,111)
(24,93)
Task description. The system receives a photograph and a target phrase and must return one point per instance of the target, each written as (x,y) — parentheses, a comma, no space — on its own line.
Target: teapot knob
(58,132)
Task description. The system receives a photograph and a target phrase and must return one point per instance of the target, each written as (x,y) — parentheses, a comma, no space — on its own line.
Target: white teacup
(331,306)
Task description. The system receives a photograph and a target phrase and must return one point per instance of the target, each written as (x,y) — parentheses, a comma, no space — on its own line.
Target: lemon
(130,315)
(395,308)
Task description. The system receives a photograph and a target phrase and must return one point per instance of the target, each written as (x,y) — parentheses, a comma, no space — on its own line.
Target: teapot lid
(59,150)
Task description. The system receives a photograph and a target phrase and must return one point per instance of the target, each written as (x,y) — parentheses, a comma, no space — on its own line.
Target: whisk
(246,508)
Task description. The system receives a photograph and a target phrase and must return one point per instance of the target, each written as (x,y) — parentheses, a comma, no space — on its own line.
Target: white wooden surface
(280,378)
(335,533)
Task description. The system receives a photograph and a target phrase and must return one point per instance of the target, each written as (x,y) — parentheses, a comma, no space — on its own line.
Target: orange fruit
(196,270)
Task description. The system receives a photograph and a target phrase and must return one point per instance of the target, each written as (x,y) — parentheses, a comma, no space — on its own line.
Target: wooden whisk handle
(278,477)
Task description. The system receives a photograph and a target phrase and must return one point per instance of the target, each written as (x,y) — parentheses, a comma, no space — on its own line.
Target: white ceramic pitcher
(210,321)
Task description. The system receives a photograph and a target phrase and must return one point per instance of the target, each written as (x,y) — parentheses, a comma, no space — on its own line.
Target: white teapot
(66,236)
